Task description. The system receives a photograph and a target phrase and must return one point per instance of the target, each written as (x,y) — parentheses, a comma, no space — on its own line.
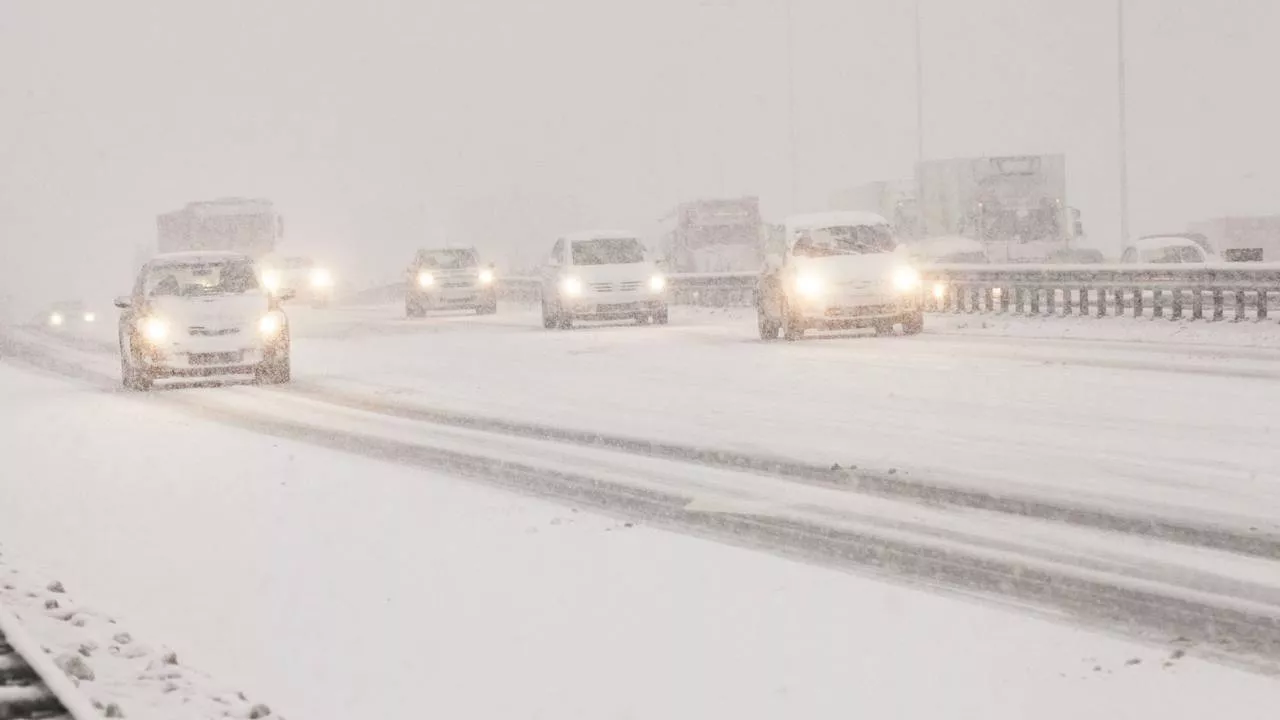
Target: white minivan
(840,270)
(602,275)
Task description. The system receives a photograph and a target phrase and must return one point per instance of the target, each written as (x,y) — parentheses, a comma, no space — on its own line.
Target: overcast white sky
(381,126)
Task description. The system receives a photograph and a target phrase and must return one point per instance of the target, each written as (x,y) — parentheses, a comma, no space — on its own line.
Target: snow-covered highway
(1086,480)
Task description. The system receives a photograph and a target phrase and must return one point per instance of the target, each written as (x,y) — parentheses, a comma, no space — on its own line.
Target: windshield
(447,259)
(201,279)
(845,240)
(1173,254)
(608,251)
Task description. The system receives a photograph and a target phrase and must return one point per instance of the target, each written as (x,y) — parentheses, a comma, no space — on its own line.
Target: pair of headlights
(319,279)
(157,329)
(572,286)
(905,279)
(58,319)
(426,279)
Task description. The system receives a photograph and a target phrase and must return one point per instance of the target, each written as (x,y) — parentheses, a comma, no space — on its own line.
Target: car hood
(614,273)
(212,310)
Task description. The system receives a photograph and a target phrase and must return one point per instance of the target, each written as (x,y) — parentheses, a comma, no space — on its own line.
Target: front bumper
(836,313)
(208,359)
(613,308)
(466,296)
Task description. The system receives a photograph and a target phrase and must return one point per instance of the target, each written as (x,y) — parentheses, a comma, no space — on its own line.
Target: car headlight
(90,317)
(809,285)
(56,319)
(154,329)
(486,277)
(657,283)
(939,291)
(270,325)
(426,279)
(271,280)
(571,286)
(321,278)
(906,279)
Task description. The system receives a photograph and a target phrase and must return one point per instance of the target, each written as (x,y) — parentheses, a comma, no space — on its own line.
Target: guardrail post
(1019,300)
(1051,301)
(1262,305)
(1157,304)
(1119,302)
(1004,300)
(957,299)
(988,299)
(1239,306)
(1175,303)
(1137,303)
(1218,311)
(1102,302)
(1197,305)
(1084,302)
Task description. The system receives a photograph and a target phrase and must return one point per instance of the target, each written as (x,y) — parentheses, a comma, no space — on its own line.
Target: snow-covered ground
(331,585)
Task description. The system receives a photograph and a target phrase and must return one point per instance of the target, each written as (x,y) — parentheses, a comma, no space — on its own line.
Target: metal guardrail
(1236,291)
(31,684)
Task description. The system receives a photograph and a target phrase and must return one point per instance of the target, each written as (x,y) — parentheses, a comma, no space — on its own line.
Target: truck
(894,200)
(1240,238)
(1015,205)
(245,225)
(714,236)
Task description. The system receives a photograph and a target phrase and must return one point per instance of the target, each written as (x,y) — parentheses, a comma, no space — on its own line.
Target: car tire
(661,317)
(913,324)
(883,327)
(792,327)
(769,328)
(276,371)
(549,321)
(131,378)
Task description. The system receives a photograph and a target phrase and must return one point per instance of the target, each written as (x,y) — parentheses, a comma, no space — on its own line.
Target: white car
(1171,249)
(308,281)
(450,279)
(602,275)
(201,314)
(840,270)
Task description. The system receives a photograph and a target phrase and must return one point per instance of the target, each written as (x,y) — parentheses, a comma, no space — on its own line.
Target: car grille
(200,331)
(456,283)
(862,311)
(631,285)
(601,287)
(222,358)
(605,287)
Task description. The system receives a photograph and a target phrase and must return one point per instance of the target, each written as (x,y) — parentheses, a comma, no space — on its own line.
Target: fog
(381,127)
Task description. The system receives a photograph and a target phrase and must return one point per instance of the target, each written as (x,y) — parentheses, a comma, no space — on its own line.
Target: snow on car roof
(1156,242)
(839,218)
(601,235)
(196,256)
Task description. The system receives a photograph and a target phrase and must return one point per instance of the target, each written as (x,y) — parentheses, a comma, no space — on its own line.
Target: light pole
(919,91)
(1124,129)
(791,109)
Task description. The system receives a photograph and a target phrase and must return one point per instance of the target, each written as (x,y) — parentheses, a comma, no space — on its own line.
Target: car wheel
(132,378)
(913,324)
(276,371)
(661,317)
(883,327)
(792,327)
(768,327)
(549,321)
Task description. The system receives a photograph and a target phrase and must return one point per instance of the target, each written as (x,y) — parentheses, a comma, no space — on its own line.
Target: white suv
(201,314)
(601,275)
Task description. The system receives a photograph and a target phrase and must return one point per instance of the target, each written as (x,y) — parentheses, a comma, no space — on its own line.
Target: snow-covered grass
(342,587)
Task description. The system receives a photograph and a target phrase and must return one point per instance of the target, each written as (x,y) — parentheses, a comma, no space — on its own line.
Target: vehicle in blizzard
(201,314)
(308,281)
(1169,249)
(714,236)
(251,226)
(450,279)
(602,275)
(841,270)
(1239,238)
(69,313)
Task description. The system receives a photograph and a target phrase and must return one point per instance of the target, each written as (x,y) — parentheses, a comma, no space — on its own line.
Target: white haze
(379,127)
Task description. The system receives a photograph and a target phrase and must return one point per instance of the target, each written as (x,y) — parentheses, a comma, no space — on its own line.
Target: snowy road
(1085,478)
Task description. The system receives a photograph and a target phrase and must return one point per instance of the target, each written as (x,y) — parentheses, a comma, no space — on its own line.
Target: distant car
(202,314)
(840,270)
(450,279)
(1166,249)
(309,281)
(68,314)
(602,275)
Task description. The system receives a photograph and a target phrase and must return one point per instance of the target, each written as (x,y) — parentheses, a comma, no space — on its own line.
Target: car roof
(582,235)
(838,218)
(1155,242)
(196,257)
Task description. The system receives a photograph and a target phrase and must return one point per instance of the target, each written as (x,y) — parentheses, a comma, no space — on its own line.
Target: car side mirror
(124,302)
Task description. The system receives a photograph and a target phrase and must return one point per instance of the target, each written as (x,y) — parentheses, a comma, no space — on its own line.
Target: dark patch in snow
(1177,654)
(259,711)
(56,587)
(51,604)
(113,711)
(74,666)
(123,638)
(1133,661)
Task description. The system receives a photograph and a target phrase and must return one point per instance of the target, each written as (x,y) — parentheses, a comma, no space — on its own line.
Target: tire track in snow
(1246,636)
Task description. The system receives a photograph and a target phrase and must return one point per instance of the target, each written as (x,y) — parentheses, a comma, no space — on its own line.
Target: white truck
(894,200)
(1236,239)
(714,236)
(242,225)
(1015,205)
